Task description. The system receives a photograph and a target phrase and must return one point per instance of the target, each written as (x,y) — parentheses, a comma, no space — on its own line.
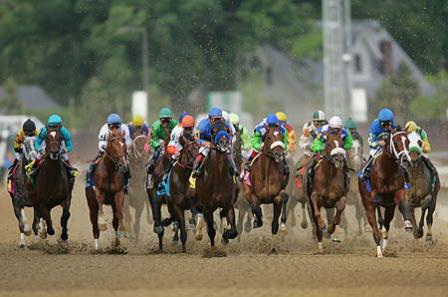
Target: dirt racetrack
(250,269)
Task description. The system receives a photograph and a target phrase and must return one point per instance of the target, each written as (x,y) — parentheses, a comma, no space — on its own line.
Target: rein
(398,155)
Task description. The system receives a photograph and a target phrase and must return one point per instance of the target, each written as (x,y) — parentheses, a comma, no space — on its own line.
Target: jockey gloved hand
(161,142)
(18,150)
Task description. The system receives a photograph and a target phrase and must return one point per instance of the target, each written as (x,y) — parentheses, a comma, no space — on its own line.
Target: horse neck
(51,167)
(108,163)
(220,162)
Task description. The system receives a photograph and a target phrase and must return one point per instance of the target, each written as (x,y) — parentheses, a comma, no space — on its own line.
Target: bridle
(189,164)
(399,155)
(137,154)
(276,156)
(116,162)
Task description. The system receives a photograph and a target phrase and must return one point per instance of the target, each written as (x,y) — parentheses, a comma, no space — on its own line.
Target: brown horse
(181,195)
(387,187)
(137,197)
(109,188)
(328,187)
(216,188)
(52,185)
(425,188)
(268,181)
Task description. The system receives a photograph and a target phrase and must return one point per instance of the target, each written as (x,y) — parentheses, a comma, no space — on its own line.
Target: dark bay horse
(109,188)
(22,192)
(136,198)
(424,190)
(181,195)
(328,187)
(52,185)
(268,181)
(387,187)
(216,188)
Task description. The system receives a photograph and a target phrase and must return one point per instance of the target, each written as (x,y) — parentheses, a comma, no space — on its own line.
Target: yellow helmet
(138,121)
(282,116)
(410,127)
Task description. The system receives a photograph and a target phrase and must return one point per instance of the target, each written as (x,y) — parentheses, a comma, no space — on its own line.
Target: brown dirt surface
(260,265)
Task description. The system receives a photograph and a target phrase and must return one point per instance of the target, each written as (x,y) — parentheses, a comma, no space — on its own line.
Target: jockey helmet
(281,116)
(29,127)
(272,120)
(386,115)
(187,121)
(54,120)
(182,115)
(138,121)
(350,124)
(335,122)
(410,127)
(234,119)
(165,113)
(225,116)
(113,119)
(319,116)
(215,112)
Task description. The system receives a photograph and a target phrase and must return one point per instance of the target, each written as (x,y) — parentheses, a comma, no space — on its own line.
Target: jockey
(385,123)
(28,130)
(138,127)
(55,121)
(353,128)
(112,124)
(185,129)
(159,129)
(410,127)
(258,137)
(335,125)
(245,137)
(292,138)
(205,138)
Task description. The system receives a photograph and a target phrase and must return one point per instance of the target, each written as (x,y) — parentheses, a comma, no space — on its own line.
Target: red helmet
(187,122)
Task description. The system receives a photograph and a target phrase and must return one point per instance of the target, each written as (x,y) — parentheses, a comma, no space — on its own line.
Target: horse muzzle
(54,155)
(278,156)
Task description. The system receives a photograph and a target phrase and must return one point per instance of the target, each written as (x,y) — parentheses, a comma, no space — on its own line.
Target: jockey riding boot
(169,167)
(150,168)
(365,172)
(407,185)
(89,175)
(248,164)
(197,165)
(12,167)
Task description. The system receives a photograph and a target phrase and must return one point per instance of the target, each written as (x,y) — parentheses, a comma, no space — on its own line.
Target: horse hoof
(43,235)
(418,233)
(320,247)
(257,224)
(224,241)
(27,232)
(304,225)
(429,239)
(331,229)
(367,228)
(283,231)
(198,236)
(408,226)
(174,242)
(247,227)
(102,227)
(21,246)
(116,242)
(166,222)
(158,229)
(50,231)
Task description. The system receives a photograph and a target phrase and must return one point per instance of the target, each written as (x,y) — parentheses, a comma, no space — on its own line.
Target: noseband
(399,156)
(115,162)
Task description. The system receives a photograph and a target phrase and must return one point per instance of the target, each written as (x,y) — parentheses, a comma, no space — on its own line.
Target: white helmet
(335,122)
(225,116)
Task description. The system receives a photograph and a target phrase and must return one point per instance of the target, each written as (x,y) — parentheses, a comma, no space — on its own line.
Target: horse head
(138,147)
(415,146)
(399,146)
(116,148)
(28,148)
(355,154)
(190,149)
(273,144)
(334,149)
(53,143)
(220,137)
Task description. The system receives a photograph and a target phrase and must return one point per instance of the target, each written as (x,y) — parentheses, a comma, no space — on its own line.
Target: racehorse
(137,198)
(108,188)
(355,161)
(268,181)
(328,187)
(22,192)
(424,190)
(181,195)
(53,185)
(241,203)
(386,187)
(156,200)
(215,187)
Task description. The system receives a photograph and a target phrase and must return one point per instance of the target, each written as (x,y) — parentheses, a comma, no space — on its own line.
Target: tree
(397,92)
(10,103)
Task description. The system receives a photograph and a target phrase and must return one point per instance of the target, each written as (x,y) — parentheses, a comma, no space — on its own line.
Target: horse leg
(248,224)
(156,205)
(180,217)
(370,209)
(175,223)
(284,212)
(241,213)
(45,213)
(64,219)
(304,222)
(405,208)
(101,219)
(232,232)
(358,215)
(119,203)
(277,210)
(256,211)
(208,216)
(418,231)
(292,203)
(429,217)
(316,209)
(340,206)
(127,216)
(137,218)
(388,216)
(18,213)
(36,221)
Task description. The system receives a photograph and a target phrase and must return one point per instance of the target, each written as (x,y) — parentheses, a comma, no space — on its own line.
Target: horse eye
(420,143)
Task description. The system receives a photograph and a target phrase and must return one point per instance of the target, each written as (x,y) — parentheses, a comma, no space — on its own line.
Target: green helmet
(165,113)
(319,116)
(350,124)
(54,120)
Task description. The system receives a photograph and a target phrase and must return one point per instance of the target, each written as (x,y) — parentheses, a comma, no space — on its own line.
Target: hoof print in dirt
(390,253)
(56,249)
(212,252)
(116,250)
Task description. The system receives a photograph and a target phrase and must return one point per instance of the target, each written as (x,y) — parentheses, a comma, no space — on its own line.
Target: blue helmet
(113,119)
(182,115)
(215,112)
(272,120)
(386,115)
(54,120)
